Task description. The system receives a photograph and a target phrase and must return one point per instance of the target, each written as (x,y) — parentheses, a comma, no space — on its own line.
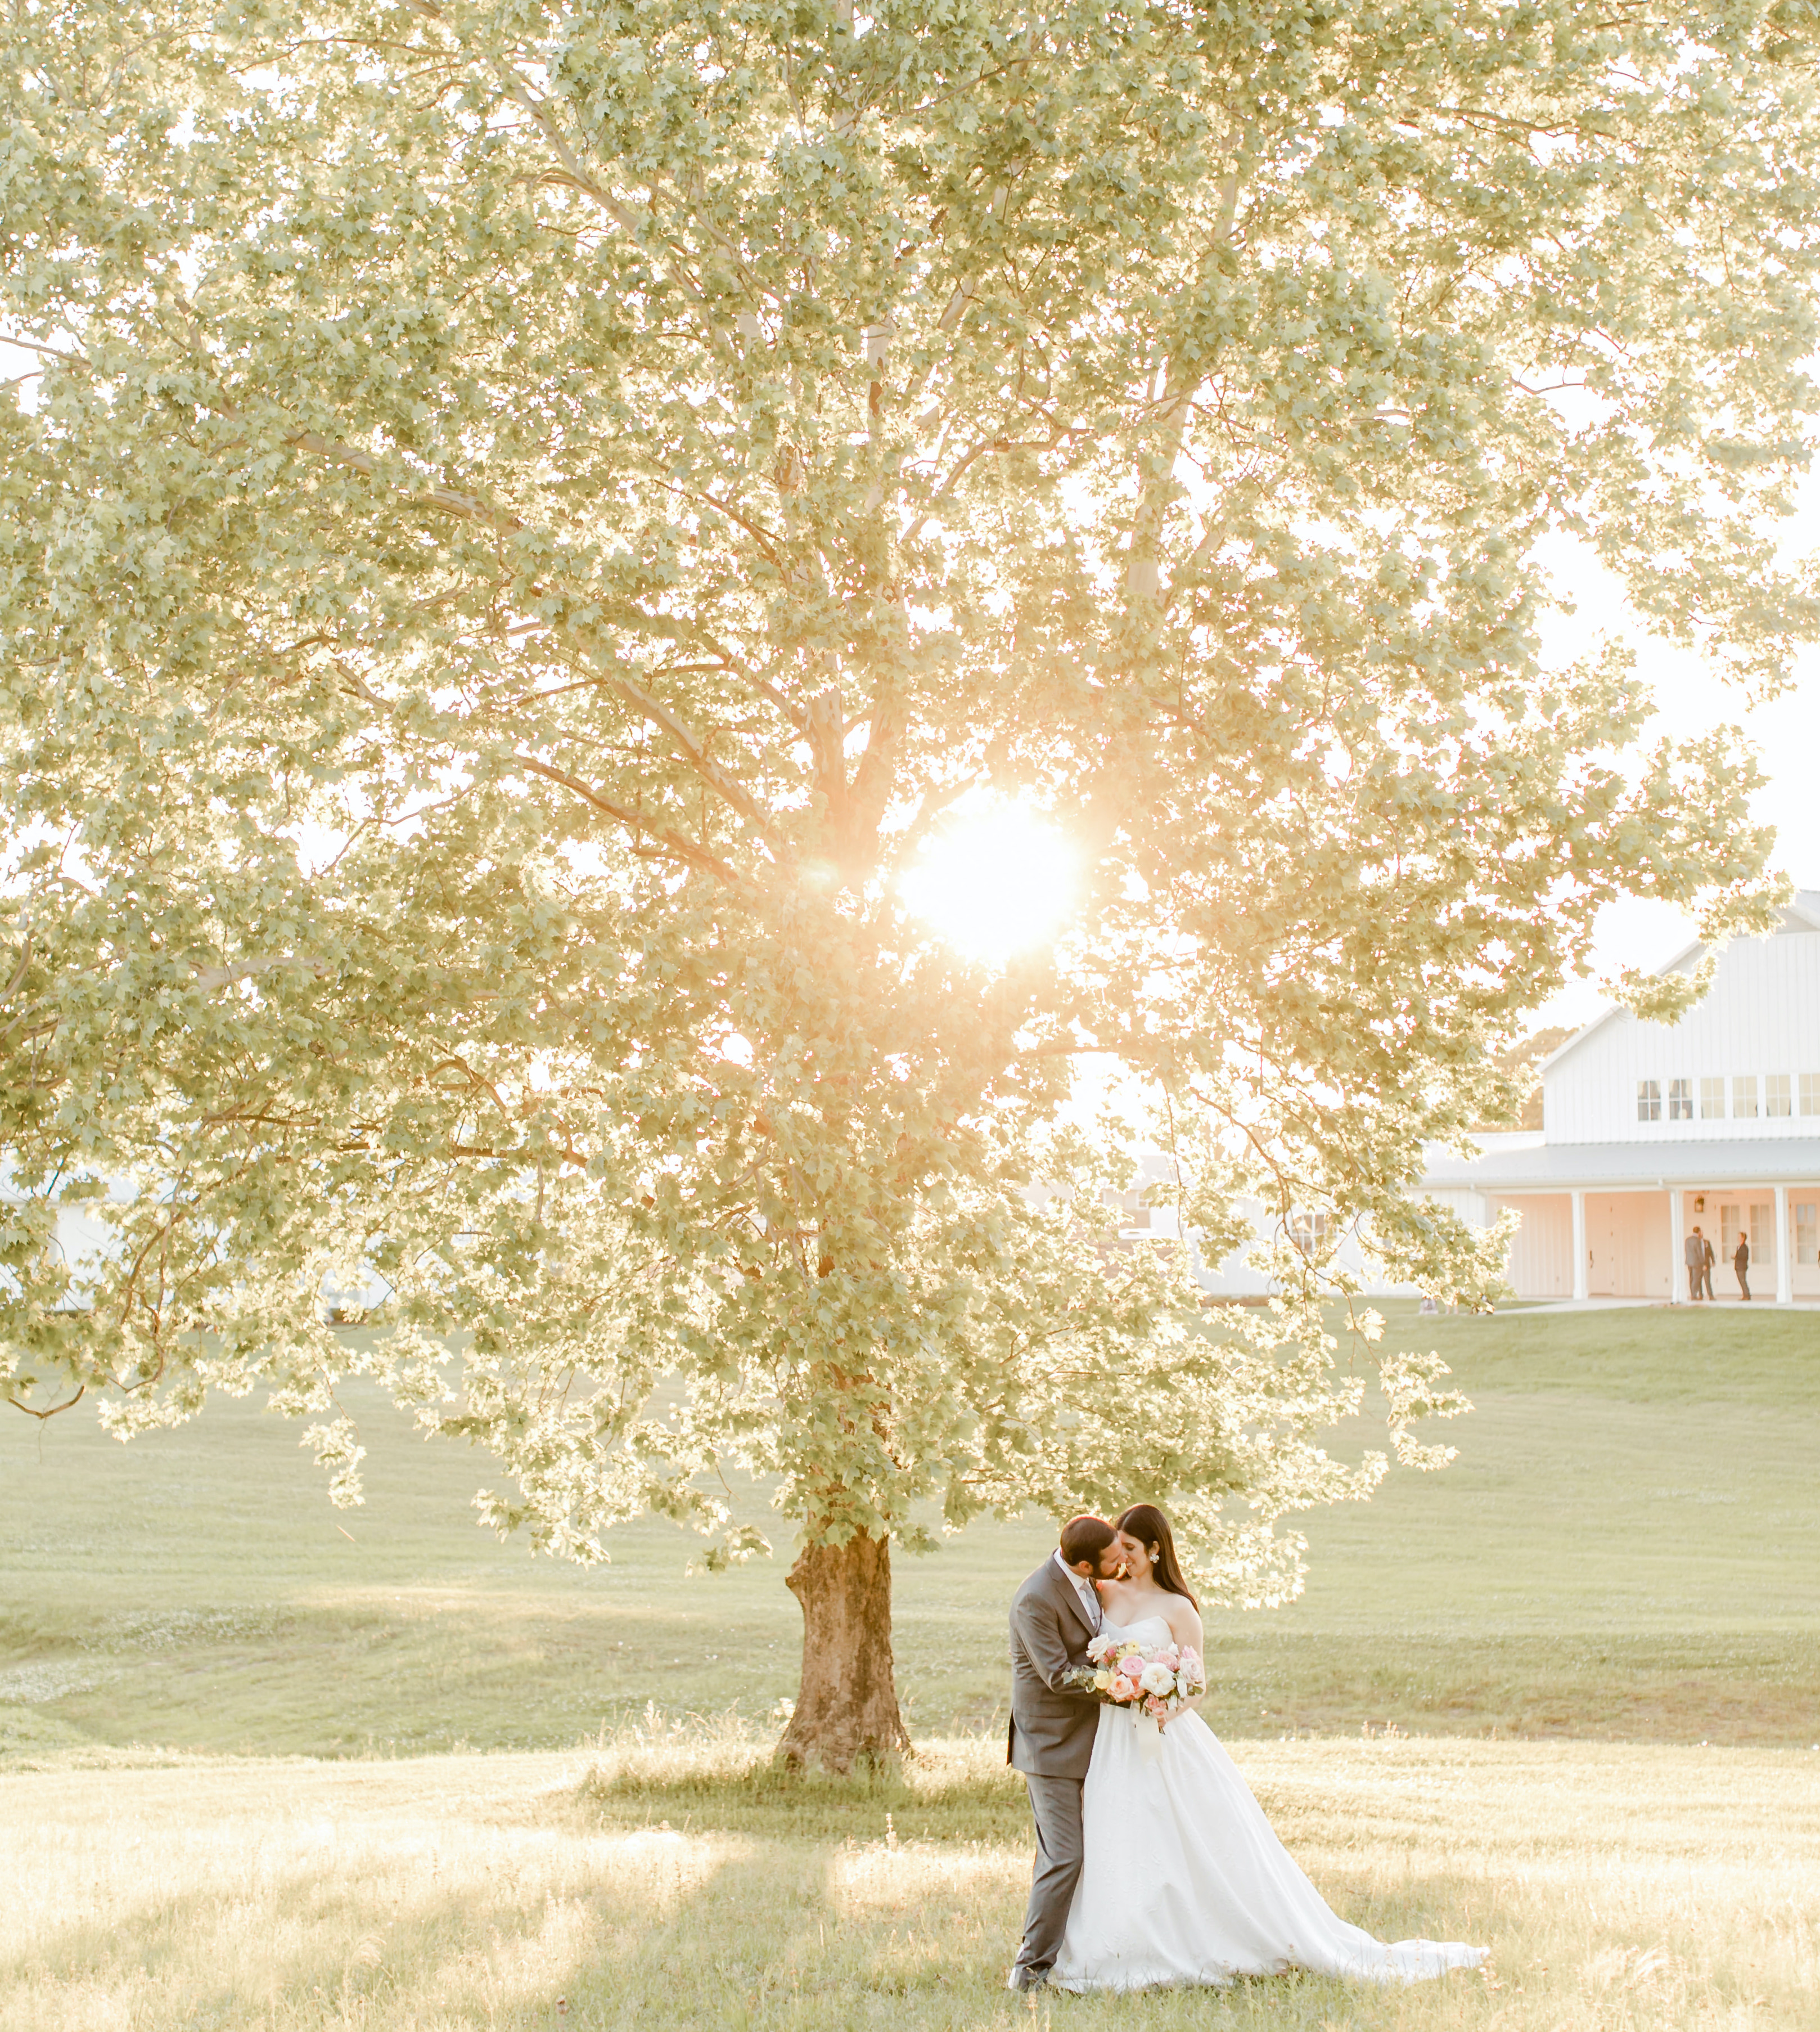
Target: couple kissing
(1154,1864)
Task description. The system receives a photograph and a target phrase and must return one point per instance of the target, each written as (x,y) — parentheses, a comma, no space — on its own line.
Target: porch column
(1678,1292)
(1784,1277)
(1579,1275)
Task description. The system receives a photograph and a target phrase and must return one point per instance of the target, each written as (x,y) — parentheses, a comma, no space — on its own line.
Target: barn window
(1744,1097)
(1681,1101)
(1649,1100)
(1810,1093)
(1308,1232)
(1776,1098)
(1712,1100)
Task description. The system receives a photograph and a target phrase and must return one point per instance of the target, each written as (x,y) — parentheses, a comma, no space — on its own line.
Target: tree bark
(847,1707)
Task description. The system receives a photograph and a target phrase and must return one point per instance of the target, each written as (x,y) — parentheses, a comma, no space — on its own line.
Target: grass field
(207,1677)
(1627,1547)
(674,1885)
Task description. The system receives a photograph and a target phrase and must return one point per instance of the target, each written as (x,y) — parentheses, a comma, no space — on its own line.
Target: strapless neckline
(1143,1622)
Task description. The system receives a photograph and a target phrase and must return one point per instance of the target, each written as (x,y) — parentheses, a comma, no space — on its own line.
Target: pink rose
(1123,1690)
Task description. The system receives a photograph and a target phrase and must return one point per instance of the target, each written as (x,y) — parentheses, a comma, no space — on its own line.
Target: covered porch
(1584,1244)
(1592,1228)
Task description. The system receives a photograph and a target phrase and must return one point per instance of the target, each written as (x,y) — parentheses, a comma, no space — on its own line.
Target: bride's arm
(1184,1622)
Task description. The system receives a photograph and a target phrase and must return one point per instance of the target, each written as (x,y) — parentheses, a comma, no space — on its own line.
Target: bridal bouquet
(1154,1680)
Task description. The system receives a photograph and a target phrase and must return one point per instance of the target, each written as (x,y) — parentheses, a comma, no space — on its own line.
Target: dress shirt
(1089,1600)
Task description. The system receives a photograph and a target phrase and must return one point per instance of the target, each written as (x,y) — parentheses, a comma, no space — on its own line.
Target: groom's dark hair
(1085,1538)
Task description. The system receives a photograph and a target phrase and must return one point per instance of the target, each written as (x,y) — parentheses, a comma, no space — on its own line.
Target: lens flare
(996,883)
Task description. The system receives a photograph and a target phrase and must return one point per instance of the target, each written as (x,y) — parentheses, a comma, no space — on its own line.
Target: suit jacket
(1052,1728)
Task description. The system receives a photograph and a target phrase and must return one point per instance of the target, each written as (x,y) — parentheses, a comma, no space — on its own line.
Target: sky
(1785,732)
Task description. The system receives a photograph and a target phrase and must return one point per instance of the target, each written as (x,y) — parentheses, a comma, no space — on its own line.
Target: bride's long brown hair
(1150,1528)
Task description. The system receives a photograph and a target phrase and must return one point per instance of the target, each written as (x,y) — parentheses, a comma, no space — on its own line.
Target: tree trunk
(847,1708)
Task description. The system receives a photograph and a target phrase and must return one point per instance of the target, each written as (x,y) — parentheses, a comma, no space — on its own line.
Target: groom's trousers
(1055,1806)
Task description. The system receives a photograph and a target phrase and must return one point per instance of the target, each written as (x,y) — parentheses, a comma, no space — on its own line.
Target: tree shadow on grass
(597,1927)
(941,1795)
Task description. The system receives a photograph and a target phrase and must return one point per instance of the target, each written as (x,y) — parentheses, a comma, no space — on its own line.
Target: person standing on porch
(1741,1262)
(1694,1253)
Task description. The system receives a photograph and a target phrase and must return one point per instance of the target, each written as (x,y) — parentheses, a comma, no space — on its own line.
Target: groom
(1055,1614)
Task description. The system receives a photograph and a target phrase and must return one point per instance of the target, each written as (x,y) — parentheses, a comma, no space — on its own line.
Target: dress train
(1184,1882)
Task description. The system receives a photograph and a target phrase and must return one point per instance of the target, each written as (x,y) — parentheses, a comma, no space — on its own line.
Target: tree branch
(680,848)
(442,500)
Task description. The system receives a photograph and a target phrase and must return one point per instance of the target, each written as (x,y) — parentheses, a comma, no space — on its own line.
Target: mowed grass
(206,1675)
(1627,1547)
(675,1882)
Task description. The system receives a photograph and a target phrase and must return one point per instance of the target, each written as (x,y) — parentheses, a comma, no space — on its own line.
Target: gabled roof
(1802,915)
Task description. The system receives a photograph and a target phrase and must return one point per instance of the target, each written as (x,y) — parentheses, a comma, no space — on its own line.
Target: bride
(1183,1881)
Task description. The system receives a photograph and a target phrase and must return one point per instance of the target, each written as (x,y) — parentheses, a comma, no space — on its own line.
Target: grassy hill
(1628,1546)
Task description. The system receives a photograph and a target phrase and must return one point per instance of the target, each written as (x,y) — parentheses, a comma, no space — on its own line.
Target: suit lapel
(1063,1589)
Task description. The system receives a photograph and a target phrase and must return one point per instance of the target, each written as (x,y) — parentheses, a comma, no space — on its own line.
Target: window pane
(1776,1094)
(1649,1100)
(1744,1097)
(1810,1093)
(1712,1100)
(1681,1101)
(1806,1232)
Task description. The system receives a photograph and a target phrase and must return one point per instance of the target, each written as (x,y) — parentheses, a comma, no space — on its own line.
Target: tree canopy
(526,520)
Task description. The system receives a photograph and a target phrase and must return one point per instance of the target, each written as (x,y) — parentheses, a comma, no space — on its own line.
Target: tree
(1521,1064)
(524,521)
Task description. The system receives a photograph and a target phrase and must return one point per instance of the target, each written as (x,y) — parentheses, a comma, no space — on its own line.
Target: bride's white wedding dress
(1183,1881)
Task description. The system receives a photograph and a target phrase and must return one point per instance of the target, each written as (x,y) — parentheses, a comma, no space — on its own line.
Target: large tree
(525,520)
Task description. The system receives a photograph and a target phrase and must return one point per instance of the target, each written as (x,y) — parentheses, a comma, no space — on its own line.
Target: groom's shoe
(1025,1979)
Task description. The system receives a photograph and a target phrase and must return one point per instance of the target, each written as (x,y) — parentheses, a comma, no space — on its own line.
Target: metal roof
(1522,1162)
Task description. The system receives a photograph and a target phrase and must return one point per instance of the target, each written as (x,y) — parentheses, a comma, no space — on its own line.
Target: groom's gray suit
(1051,1743)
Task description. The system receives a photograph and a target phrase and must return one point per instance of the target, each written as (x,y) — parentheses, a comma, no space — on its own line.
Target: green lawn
(1627,1547)
(673,1885)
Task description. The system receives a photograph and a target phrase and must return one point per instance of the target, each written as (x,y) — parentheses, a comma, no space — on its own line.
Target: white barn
(1649,1130)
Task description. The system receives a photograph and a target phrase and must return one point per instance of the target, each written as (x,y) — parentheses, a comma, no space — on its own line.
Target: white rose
(1158,1679)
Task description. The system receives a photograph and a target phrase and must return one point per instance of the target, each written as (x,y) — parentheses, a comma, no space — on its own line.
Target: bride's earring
(1153,1559)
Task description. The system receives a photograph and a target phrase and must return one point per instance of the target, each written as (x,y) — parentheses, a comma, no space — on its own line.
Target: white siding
(1761,1016)
(1466,1201)
(1239,1275)
(1540,1263)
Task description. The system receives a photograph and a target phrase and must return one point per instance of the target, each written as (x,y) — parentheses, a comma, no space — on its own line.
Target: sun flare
(995,883)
